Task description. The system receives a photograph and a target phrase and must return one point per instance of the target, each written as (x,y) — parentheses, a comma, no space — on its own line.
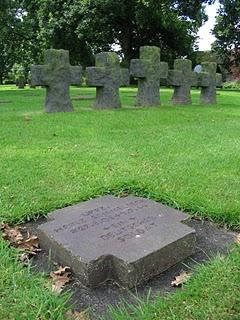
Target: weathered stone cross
(182,78)
(149,70)
(56,75)
(209,80)
(107,76)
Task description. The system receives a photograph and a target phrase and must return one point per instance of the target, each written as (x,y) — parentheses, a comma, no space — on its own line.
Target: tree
(87,27)
(55,27)
(15,37)
(90,26)
(18,74)
(172,25)
(7,24)
(227,32)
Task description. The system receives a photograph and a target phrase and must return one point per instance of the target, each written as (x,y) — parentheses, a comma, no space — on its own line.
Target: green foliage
(173,25)
(206,56)
(17,72)
(227,32)
(17,37)
(233,85)
(55,27)
(18,75)
(8,39)
(28,27)
(87,27)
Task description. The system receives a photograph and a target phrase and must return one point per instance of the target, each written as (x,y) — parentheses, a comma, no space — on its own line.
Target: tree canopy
(89,26)
(227,32)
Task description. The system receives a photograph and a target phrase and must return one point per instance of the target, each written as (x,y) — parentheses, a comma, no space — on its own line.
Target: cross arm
(37,75)
(124,77)
(175,77)
(76,75)
(96,76)
(219,80)
(163,70)
(203,79)
(138,68)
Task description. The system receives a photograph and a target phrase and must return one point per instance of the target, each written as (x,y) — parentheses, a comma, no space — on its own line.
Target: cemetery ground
(183,156)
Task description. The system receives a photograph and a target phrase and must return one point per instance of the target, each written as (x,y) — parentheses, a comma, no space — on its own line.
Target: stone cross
(56,75)
(208,81)
(149,70)
(107,76)
(182,78)
(21,82)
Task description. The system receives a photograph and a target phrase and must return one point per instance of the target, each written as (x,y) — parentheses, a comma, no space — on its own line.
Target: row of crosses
(57,75)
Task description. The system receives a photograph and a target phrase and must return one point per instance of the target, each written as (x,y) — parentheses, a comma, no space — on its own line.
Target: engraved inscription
(114,223)
(122,231)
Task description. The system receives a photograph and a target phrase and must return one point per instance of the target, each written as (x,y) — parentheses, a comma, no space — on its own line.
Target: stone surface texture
(148,70)
(182,78)
(128,240)
(209,80)
(56,75)
(107,77)
(21,83)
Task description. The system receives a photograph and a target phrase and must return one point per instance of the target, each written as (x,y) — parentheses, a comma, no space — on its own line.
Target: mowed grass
(186,156)
(212,294)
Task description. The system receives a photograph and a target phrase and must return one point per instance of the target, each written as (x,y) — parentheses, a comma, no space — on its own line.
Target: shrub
(19,75)
(233,85)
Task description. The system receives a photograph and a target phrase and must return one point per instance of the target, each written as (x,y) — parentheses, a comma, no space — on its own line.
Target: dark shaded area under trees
(28,27)
(227,33)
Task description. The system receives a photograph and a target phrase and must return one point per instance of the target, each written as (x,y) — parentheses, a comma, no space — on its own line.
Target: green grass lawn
(185,156)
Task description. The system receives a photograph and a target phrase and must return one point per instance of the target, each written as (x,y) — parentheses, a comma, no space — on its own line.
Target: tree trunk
(126,27)
(127,50)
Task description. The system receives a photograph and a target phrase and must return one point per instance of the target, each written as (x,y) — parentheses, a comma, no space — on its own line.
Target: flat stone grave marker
(128,240)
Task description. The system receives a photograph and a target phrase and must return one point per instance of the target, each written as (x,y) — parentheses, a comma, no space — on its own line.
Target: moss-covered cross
(148,70)
(182,78)
(107,76)
(209,80)
(56,75)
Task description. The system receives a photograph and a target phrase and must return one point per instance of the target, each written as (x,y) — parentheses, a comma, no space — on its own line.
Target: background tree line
(86,27)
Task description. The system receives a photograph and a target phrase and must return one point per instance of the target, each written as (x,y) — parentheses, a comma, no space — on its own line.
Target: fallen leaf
(24,258)
(60,278)
(30,245)
(74,315)
(13,235)
(123,194)
(181,279)
(237,239)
